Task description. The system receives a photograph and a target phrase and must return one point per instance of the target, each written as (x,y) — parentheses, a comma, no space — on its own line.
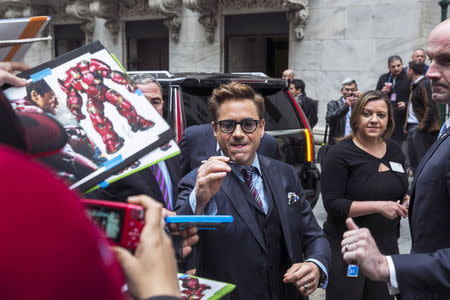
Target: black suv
(187,94)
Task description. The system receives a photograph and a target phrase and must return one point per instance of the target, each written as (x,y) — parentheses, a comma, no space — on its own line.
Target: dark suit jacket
(234,253)
(198,143)
(424,108)
(309,107)
(141,182)
(336,114)
(402,89)
(425,272)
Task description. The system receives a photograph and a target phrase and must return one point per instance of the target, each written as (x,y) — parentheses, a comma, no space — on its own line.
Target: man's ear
(34,96)
(214,127)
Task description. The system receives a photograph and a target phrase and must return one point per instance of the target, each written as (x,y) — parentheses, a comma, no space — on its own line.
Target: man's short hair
(41,87)
(419,49)
(348,81)
(234,90)
(144,78)
(393,58)
(299,85)
(418,68)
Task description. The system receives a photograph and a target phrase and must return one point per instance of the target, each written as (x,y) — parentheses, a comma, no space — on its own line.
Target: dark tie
(162,185)
(248,179)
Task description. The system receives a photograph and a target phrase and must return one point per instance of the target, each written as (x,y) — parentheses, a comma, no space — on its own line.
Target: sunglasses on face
(247,125)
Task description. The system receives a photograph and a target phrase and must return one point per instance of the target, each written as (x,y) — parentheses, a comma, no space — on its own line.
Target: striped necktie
(162,185)
(248,179)
(442,131)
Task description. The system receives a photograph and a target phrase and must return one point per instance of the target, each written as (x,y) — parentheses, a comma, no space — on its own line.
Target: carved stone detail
(131,8)
(238,4)
(87,11)
(297,15)
(12,9)
(208,15)
(108,10)
(81,11)
(172,10)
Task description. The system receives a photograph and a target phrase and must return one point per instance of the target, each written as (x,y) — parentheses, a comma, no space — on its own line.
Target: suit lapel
(230,187)
(279,196)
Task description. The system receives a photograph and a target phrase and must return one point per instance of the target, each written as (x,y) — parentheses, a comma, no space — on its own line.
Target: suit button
(269,244)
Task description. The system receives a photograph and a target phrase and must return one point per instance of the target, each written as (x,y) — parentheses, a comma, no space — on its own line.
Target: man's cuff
(323,282)
(393,283)
(210,209)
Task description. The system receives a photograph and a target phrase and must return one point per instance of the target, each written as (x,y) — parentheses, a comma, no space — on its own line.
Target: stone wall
(348,38)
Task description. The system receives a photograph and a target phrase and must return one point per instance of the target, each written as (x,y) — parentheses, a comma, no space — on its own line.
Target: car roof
(198,79)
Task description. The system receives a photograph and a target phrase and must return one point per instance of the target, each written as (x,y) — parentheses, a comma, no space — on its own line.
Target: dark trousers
(419,141)
(342,287)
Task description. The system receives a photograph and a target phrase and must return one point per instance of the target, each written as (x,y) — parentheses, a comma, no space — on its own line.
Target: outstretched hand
(6,73)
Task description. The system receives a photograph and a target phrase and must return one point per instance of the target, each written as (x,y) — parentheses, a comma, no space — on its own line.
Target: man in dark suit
(158,182)
(396,85)
(422,122)
(339,111)
(423,274)
(198,144)
(308,105)
(274,249)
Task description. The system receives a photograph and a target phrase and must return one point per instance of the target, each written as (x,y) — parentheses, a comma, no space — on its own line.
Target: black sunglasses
(247,125)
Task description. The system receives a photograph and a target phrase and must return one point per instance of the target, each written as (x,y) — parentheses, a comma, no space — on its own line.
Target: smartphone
(201,222)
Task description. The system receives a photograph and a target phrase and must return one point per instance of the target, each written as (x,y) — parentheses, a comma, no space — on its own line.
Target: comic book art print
(107,119)
(198,288)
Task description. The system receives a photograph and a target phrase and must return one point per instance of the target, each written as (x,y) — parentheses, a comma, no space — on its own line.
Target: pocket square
(292,198)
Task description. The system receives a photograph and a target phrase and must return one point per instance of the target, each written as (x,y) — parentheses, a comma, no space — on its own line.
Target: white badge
(393,96)
(396,167)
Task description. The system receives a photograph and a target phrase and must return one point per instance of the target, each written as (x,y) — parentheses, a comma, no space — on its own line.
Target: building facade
(323,41)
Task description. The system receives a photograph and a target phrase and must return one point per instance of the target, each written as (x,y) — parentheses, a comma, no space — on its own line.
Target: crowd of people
(275,248)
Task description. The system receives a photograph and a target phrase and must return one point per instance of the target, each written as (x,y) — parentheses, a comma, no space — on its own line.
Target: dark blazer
(198,143)
(335,117)
(424,108)
(141,182)
(235,253)
(309,107)
(402,89)
(424,274)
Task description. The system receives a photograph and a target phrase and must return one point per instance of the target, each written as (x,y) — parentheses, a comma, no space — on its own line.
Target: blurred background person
(420,56)
(339,111)
(363,176)
(422,122)
(308,105)
(288,75)
(396,85)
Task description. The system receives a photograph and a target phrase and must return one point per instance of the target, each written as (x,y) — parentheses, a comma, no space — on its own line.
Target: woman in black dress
(363,176)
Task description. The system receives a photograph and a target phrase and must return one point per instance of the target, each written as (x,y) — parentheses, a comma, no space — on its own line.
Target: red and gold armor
(87,77)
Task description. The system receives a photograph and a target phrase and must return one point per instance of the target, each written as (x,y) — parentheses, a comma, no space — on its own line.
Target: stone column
(198,50)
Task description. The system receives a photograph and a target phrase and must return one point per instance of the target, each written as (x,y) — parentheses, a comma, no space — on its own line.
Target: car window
(196,106)
(280,114)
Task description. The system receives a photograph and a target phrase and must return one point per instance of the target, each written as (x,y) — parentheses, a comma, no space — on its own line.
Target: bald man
(288,75)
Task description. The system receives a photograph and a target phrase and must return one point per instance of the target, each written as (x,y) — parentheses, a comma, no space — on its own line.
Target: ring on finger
(305,286)
(347,247)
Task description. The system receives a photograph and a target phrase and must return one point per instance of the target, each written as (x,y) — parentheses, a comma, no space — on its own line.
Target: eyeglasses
(247,125)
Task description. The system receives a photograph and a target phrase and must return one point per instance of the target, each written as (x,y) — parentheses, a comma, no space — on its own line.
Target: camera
(122,223)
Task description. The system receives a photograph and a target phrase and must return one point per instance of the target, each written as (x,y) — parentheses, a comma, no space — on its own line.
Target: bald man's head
(438,49)
(288,74)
